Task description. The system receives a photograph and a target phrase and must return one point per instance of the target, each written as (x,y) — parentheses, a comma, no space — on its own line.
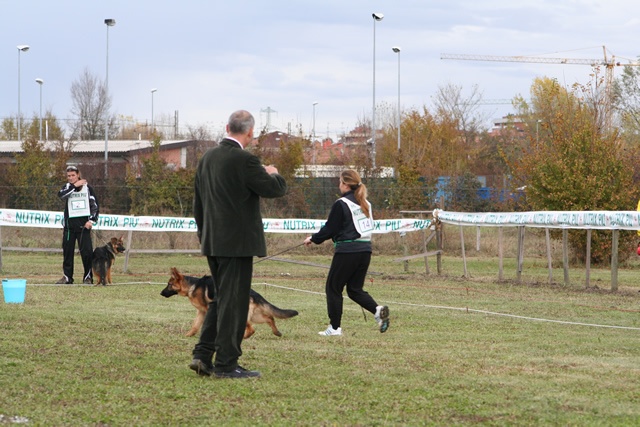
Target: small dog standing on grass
(200,293)
(103,259)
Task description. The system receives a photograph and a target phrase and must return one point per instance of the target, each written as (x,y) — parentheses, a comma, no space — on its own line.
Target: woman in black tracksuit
(349,225)
(80,215)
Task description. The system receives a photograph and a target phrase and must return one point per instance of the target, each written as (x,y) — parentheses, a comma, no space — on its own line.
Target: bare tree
(626,101)
(91,106)
(450,102)
(202,133)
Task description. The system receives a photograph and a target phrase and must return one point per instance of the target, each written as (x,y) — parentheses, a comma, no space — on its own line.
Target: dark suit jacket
(228,186)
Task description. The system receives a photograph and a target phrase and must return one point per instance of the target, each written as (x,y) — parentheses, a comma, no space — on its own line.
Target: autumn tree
(288,157)
(431,146)
(35,178)
(155,189)
(412,191)
(51,130)
(8,129)
(571,163)
(434,142)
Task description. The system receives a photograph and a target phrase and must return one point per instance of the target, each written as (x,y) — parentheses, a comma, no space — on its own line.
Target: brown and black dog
(200,293)
(103,259)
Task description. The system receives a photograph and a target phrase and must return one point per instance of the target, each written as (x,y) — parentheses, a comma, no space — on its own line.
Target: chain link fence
(306,198)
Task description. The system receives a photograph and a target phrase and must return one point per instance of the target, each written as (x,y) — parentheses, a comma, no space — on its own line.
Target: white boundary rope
(473,310)
(438,307)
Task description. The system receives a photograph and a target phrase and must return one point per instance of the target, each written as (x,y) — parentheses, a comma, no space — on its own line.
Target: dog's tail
(278,313)
(282,313)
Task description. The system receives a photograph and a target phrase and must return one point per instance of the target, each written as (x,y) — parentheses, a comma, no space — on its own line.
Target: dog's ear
(175,273)
(114,241)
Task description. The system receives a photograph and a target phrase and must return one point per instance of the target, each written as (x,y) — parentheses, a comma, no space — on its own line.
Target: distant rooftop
(115,146)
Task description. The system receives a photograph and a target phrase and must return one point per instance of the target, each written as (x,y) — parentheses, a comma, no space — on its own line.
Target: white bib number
(363,223)
(78,203)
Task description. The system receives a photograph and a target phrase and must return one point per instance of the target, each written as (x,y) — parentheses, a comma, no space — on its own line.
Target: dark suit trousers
(226,319)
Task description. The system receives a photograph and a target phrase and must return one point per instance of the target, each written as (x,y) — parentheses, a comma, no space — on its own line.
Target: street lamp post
(313,137)
(152,92)
(108,23)
(21,48)
(396,49)
(40,83)
(376,17)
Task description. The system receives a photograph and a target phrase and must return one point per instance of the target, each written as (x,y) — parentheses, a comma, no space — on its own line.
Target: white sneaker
(330,331)
(382,317)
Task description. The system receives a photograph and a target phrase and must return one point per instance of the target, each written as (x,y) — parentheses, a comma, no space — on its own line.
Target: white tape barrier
(605,220)
(44,219)
(602,220)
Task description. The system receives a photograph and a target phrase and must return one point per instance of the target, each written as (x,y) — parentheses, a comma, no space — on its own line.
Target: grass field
(458,351)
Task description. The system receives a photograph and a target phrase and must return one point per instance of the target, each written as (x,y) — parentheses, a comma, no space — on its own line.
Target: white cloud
(208,58)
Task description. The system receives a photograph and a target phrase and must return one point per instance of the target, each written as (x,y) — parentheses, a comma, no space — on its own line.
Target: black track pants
(69,238)
(350,270)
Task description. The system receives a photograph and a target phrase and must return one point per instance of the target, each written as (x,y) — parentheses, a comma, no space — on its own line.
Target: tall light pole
(313,137)
(396,49)
(108,23)
(21,48)
(152,92)
(376,17)
(40,83)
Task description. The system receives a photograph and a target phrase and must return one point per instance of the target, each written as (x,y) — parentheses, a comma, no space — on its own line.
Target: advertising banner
(597,220)
(45,219)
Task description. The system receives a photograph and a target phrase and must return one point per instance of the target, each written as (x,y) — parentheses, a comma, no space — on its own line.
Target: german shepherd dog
(103,259)
(200,293)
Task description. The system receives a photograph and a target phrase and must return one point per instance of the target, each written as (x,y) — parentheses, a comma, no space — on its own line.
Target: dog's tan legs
(249,330)
(197,323)
(274,329)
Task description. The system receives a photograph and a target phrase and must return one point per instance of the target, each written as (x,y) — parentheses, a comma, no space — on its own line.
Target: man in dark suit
(228,185)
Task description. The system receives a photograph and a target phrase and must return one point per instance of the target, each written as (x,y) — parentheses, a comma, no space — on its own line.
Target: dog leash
(279,253)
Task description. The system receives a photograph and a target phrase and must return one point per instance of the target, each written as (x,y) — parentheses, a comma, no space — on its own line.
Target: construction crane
(607,62)
(489,102)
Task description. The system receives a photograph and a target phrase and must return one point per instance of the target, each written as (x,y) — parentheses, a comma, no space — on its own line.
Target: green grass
(117,356)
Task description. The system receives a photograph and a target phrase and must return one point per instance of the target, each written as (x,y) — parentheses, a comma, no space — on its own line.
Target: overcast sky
(208,58)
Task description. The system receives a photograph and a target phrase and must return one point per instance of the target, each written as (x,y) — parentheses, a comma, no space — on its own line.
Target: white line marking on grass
(493,313)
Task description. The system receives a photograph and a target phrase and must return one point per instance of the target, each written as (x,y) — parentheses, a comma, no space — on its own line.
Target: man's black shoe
(239,372)
(201,368)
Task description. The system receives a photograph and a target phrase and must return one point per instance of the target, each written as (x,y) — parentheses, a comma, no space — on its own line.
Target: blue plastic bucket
(14,290)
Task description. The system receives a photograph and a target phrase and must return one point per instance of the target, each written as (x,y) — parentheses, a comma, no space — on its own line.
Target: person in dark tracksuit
(350,226)
(80,215)
(228,186)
